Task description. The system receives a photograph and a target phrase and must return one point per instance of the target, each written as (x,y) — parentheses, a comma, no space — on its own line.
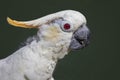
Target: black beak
(81,38)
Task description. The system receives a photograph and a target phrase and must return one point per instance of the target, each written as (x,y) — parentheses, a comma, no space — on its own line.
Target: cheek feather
(52,33)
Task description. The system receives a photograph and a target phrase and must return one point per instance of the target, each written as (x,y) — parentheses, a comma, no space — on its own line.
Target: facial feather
(51,33)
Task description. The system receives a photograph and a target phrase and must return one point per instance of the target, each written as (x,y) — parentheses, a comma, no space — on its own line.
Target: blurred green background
(99,61)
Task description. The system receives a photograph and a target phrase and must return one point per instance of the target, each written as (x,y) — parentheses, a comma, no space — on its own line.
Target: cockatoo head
(65,28)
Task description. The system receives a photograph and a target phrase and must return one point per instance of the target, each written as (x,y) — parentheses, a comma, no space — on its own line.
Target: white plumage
(37,59)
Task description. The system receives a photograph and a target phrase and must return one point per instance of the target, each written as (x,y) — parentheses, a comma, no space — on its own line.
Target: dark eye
(67,26)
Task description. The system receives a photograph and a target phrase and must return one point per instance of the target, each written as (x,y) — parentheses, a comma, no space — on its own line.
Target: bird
(57,34)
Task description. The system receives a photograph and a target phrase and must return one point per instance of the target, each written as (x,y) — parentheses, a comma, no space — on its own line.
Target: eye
(67,26)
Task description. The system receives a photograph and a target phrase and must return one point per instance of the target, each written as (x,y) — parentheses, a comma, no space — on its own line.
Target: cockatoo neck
(50,49)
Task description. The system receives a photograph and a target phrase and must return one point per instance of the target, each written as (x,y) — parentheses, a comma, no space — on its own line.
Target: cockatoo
(58,33)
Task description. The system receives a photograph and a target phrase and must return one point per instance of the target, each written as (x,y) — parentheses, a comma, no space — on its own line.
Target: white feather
(37,60)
